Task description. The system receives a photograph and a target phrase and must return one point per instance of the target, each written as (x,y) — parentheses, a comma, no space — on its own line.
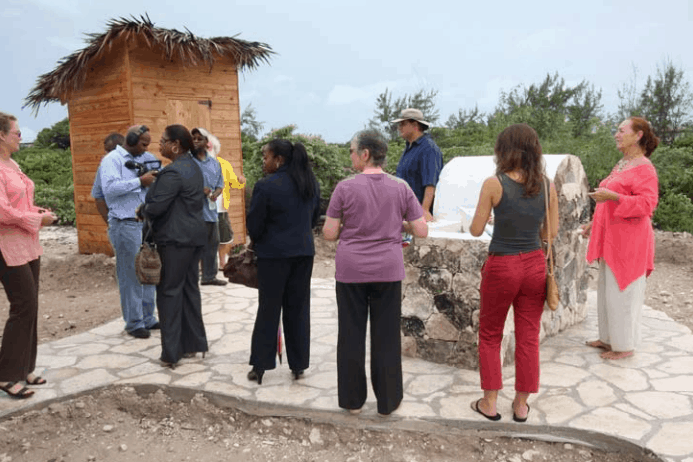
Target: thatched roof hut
(136,73)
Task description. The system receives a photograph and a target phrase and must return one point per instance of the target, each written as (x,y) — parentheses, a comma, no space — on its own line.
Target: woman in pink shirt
(621,238)
(20,221)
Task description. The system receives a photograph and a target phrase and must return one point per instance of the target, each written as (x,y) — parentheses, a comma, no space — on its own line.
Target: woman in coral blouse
(20,221)
(622,239)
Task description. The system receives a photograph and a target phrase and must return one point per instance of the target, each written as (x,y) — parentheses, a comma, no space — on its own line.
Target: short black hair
(178,132)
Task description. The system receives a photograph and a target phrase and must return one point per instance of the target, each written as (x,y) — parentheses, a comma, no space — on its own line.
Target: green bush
(330,162)
(674,213)
(51,172)
(59,199)
(46,166)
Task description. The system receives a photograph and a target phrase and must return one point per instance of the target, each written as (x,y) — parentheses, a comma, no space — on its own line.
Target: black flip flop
(23,393)
(519,419)
(475,408)
(38,380)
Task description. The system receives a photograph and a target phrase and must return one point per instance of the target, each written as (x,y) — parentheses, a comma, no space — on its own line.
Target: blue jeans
(136,300)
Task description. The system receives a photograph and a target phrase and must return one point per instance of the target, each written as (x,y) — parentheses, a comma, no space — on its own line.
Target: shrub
(46,166)
(59,199)
(330,162)
(51,172)
(674,213)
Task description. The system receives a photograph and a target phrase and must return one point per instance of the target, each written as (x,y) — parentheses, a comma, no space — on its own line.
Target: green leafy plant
(674,213)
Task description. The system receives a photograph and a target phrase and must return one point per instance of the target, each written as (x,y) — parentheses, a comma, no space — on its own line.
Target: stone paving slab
(645,400)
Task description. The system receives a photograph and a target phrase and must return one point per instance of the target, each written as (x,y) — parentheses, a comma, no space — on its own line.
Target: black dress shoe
(297,373)
(255,375)
(140,333)
(214,282)
(155,326)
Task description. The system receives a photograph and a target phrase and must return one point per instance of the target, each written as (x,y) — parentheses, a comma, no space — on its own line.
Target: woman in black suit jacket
(283,211)
(174,207)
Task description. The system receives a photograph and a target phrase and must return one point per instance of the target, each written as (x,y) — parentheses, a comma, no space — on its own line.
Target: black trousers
(383,302)
(19,339)
(282,283)
(179,303)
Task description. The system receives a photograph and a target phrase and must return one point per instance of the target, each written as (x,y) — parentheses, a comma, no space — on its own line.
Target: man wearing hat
(422,159)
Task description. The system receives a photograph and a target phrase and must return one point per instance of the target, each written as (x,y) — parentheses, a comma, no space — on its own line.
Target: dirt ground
(79,292)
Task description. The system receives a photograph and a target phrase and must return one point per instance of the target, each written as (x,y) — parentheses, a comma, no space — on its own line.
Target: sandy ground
(79,292)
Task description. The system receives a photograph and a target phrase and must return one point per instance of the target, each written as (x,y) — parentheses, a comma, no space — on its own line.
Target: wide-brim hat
(411,114)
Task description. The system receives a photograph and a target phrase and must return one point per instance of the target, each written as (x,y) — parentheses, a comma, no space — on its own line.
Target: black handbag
(148,261)
(241,267)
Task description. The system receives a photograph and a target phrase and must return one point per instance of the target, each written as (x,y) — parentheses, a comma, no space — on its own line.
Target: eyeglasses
(18,133)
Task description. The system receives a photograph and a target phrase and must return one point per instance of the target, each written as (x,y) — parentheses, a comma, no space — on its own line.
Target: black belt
(508,254)
(127,219)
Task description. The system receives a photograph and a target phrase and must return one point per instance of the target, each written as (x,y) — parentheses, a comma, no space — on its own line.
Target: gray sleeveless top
(517,219)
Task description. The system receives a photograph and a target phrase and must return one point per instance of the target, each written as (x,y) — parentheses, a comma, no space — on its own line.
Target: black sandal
(38,380)
(23,393)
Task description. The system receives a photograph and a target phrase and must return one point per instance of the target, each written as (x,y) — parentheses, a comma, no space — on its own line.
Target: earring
(276,164)
(175,150)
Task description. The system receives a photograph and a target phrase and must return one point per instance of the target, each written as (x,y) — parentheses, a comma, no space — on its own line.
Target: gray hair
(375,142)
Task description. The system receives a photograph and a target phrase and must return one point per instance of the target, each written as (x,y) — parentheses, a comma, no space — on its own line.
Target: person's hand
(490,220)
(138,212)
(48,218)
(602,195)
(241,178)
(428,216)
(207,191)
(586,229)
(148,178)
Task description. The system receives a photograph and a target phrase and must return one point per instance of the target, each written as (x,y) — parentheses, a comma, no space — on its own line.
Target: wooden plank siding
(133,84)
(99,108)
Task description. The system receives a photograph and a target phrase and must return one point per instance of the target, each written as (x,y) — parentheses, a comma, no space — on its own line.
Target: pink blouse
(20,219)
(622,230)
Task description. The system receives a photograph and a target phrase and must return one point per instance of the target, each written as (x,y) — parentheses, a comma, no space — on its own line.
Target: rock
(568,446)
(80,405)
(123,447)
(108,428)
(530,454)
(315,437)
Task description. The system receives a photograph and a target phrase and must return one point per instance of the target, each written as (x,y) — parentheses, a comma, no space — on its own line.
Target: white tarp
(457,194)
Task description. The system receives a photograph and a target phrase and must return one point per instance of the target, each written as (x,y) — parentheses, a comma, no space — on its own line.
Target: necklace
(624,163)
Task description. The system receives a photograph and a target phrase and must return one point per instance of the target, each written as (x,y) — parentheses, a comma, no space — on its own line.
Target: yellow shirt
(230,181)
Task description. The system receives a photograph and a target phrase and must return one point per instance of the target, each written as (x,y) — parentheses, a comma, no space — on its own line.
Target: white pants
(619,312)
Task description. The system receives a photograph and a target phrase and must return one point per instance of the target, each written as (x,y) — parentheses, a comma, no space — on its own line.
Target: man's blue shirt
(121,186)
(211,171)
(96,190)
(420,165)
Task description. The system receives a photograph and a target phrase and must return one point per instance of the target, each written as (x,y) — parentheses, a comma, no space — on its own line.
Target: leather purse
(553,296)
(241,267)
(148,262)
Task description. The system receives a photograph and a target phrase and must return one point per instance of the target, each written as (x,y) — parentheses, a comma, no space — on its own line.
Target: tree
(386,110)
(548,106)
(250,127)
(56,136)
(666,101)
(463,118)
(628,98)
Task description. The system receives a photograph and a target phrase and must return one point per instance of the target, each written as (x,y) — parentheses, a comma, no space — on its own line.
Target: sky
(334,58)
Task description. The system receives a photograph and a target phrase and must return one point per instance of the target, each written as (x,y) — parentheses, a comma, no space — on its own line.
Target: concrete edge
(373,422)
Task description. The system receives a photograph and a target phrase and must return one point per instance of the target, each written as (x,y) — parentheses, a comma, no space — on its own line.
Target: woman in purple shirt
(368,212)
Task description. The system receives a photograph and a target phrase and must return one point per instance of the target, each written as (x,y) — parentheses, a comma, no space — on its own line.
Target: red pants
(519,280)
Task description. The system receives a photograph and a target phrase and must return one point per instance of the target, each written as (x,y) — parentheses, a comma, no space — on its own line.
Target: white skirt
(619,312)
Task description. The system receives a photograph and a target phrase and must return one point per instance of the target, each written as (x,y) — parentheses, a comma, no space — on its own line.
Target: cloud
(28,134)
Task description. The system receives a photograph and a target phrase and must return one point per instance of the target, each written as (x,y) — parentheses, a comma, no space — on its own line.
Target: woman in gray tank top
(515,271)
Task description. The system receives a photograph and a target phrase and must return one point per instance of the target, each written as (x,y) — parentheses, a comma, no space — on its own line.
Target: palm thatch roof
(191,50)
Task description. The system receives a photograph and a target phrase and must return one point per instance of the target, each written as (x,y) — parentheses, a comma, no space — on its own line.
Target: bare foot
(599,344)
(616,354)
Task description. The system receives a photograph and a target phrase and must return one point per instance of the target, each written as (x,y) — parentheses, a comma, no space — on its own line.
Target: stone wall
(440,307)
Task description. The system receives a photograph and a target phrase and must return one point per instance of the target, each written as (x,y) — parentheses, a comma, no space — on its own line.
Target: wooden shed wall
(101,107)
(133,84)
(166,92)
